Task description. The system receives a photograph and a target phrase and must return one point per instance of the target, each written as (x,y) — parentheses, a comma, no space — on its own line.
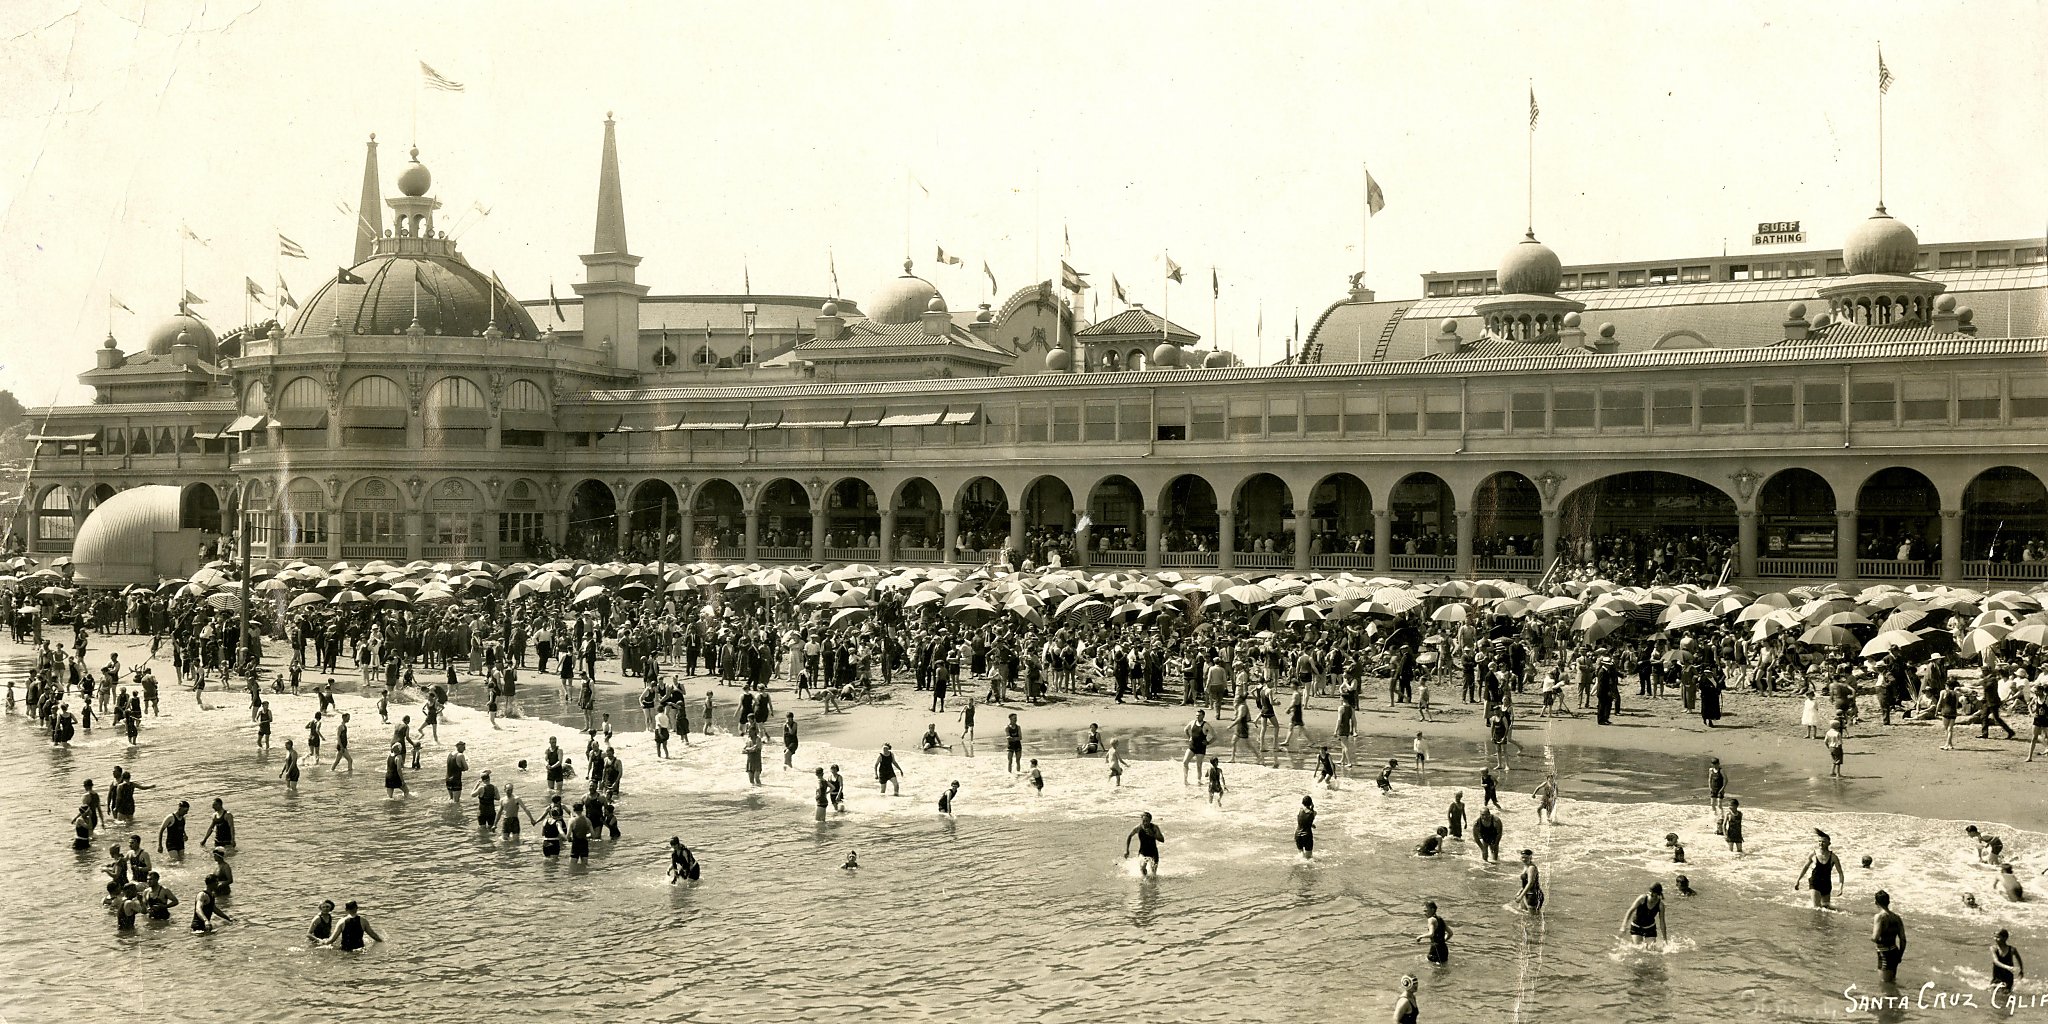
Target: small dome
(1448,326)
(1822,321)
(1881,245)
(1216,358)
(1965,314)
(1530,268)
(1165,355)
(184,329)
(831,308)
(1571,319)
(904,299)
(1058,360)
(109,343)
(936,305)
(1796,311)
(1607,330)
(415,180)
(1945,304)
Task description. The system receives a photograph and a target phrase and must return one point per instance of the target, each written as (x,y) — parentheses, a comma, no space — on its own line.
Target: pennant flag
(991,277)
(1066,241)
(191,299)
(287,247)
(255,290)
(1172,270)
(114,303)
(480,208)
(191,235)
(1374,201)
(557,303)
(1070,279)
(1095,307)
(746,277)
(342,276)
(1884,74)
(1534,109)
(950,261)
(1116,288)
(284,295)
(433,79)
(1215,285)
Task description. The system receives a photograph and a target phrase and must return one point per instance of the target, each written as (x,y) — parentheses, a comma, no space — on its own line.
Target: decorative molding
(815,489)
(1951,514)
(683,486)
(498,380)
(1746,480)
(415,382)
(413,485)
(622,491)
(331,377)
(1547,482)
(492,484)
(748,487)
(333,491)
(554,487)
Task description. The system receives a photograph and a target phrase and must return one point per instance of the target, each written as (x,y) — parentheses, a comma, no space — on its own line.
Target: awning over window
(868,416)
(715,421)
(61,438)
(300,419)
(526,419)
(914,417)
(962,415)
(815,419)
(637,424)
(375,416)
(589,423)
(244,424)
(764,421)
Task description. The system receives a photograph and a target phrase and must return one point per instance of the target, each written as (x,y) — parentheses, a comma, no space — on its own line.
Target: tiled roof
(1847,333)
(1791,355)
(1137,323)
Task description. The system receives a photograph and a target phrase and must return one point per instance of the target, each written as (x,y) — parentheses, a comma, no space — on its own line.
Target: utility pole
(248,597)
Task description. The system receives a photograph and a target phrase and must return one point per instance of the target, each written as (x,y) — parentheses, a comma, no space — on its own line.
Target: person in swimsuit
(579,836)
(1116,761)
(1822,871)
(945,799)
(2006,967)
(1456,815)
(170,836)
(1013,742)
(967,726)
(513,810)
(290,772)
(1717,785)
(1677,848)
(1436,933)
(1545,796)
(1386,780)
(1732,827)
(852,861)
(1888,934)
(1433,843)
(349,934)
(1531,895)
(221,831)
(321,931)
(1305,828)
(888,772)
(789,741)
(1297,711)
(341,747)
(1406,1009)
(1685,886)
(1090,747)
(1326,769)
(1489,791)
(1644,920)
(824,793)
(1148,837)
(2009,885)
(1215,782)
(486,796)
(394,778)
(205,911)
(158,899)
(81,827)
(682,863)
(1990,848)
(128,907)
(1198,744)
(838,790)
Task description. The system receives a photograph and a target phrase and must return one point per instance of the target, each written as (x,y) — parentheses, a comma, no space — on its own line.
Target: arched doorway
(1898,518)
(1507,524)
(785,520)
(453,521)
(1049,520)
(853,519)
(1116,508)
(1423,506)
(1650,526)
(2005,521)
(372,521)
(1795,520)
(301,517)
(719,519)
(1262,517)
(1342,507)
(593,531)
(199,509)
(920,523)
(651,525)
(1187,516)
(97,496)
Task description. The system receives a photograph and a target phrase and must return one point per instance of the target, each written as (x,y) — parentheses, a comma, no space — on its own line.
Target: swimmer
(1486,833)
(1455,815)
(1438,934)
(221,831)
(1822,871)
(205,911)
(1990,848)
(321,931)
(1644,920)
(1035,779)
(1531,894)
(348,935)
(1545,796)
(1197,733)
(1677,849)
(1685,886)
(1305,828)
(1326,769)
(1732,827)
(2009,884)
(290,772)
(1717,785)
(946,799)
(1148,837)
(1433,843)
(1215,782)
(931,741)
(1406,1009)
(1386,780)
(1421,752)
(2006,967)
(682,863)
(170,836)
(1091,746)
(1888,934)
(888,772)
(1116,762)
(824,792)
(852,861)
(1490,794)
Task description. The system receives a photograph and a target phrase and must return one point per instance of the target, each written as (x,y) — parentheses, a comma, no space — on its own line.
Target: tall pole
(1530,177)
(248,593)
(1880,128)
(1364,217)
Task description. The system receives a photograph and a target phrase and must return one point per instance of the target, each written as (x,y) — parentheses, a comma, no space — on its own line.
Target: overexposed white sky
(1231,135)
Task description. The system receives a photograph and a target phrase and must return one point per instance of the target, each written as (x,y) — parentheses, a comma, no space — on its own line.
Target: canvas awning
(914,417)
(764,421)
(589,423)
(815,419)
(301,419)
(526,419)
(389,416)
(962,415)
(865,417)
(244,424)
(715,421)
(60,438)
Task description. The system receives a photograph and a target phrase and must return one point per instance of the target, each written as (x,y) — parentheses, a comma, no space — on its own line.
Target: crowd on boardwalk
(1264,662)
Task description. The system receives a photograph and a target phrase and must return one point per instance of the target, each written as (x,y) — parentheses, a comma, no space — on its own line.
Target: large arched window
(53,516)
(455,413)
(301,414)
(523,417)
(373,414)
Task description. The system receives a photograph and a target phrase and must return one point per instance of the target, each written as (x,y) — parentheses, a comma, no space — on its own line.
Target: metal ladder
(1379,352)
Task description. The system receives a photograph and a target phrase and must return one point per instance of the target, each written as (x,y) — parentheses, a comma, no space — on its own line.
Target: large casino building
(1869,413)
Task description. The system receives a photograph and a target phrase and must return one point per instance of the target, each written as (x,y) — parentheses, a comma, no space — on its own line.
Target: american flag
(435,80)
(1884,75)
(1534,109)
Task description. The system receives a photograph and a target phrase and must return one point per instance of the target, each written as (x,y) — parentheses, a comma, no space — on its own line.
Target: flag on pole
(255,290)
(191,299)
(1172,270)
(186,231)
(1070,279)
(1533,108)
(1066,242)
(433,79)
(284,295)
(114,303)
(1884,74)
(1374,201)
(950,261)
(287,247)
(991,277)
(342,276)
(1116,288)
(480,208)
(556,303)
(1215,285)
(747,278)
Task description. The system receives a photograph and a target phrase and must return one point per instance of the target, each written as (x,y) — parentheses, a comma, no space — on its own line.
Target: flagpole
(1530,178)
(906,213)
(1214,288)
(1880,127)
(1364,220)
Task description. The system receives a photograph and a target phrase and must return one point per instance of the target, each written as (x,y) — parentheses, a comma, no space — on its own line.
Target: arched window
(302,393)
(704,356)
(455,414)
(301,414)
(255,401)
(744,356)
(53,516)
(373,414)
(665,357)
(525,396)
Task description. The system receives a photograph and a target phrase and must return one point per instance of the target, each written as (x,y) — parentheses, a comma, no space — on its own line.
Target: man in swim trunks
(2006,967)
(486,795)
(1717,785)
(1305,828)
(1148,836)
(1644,920)
(1438,934)
(1888,934)
(1823,870)
(1197,733)
(170,836)
(1990,848)
(1013,743)
(946,798)
(458,762)
(348,935)
(1531,894)
(887,771)
(1545,796)
(1486,834)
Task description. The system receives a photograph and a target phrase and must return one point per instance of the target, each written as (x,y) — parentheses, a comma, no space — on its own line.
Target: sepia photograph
(1391,511)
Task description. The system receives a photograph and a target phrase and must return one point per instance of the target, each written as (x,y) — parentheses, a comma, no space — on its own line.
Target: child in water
(1677,850)
(852,861)
(1387,777)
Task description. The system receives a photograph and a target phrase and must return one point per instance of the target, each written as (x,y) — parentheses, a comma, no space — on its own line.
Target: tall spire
(611,208)
(370,206)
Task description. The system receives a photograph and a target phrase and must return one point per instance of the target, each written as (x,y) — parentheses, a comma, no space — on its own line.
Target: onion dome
(1216,358)
(1166,355)
(454,300)
(831,308)
(415,180)
(110,343)
(1058,360)
(1881,245)
(1530,268)
(905,299)
(183,328)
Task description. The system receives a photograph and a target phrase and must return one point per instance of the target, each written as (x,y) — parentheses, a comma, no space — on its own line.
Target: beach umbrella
(305,599)
(1730,605)
(349,597)
(391,597)
(850,617)
(1556,604)
(1302,613)
(852,597)
(2034,633)
(53,592)
(1451,613)
(1979,641)
(1688,618)
(588,594)
(1452,588)
(1846,619)
(1088,611)
(1891,640)
(224,600)
(1828,636)
(1600,627)
(1249,593)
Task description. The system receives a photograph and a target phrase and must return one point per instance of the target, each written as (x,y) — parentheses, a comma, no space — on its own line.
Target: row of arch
(375,391)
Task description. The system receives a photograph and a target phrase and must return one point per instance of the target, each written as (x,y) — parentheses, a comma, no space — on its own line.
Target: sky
(757,139)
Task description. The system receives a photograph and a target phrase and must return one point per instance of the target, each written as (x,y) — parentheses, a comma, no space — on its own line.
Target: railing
(1818,568)
(1265,560)
(450,552)
(1510,565)
(53,546)
(308,552)
(905,553)
(1893,569)
(1424,563)
(852,554)
(1345,560)
(2005,570)
(785,553)
(725,552)
(1188,559)
(364,552)
(1118,558)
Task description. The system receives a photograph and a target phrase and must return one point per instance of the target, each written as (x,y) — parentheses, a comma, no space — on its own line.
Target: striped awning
(764,421)
(914,417)
(301,419)
(962,415)
(815,419)
(869,416)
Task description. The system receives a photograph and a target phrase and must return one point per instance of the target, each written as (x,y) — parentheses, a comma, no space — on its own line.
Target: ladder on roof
(1379,352)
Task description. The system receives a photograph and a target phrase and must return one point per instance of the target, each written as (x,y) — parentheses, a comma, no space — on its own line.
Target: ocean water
(1020,908)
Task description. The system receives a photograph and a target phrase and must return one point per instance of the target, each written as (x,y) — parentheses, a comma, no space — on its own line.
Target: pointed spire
(611,207)
(369,207)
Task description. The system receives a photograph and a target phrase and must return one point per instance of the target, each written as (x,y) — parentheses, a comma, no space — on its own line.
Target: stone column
(1952,545)
(1552,522)
(1382,541)
(1845,543)
(622,524)
(1745,543)
(415,533)
(888,536)
(1017,532)
(1084,552)
(1302,523)
(1226,539)
(950,536)
(752,551)
(1462,566)
(686,535)
(817,533)
(1155,544)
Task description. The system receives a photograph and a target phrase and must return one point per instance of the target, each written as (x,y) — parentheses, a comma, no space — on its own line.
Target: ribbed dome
(1530,268)
(115,542)
(904,300)
(1881,245)
(165,335)
(454,300)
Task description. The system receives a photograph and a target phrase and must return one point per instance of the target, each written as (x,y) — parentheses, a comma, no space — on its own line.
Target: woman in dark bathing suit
(1823,869)
(1305,828)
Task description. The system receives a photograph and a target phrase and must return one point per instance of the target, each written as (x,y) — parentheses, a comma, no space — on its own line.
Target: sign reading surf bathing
(1778,232)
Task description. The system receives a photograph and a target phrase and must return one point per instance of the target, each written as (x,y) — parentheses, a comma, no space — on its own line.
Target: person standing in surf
(1644,921)
(1731,826)
(1717,786)
(1545,796)
(1148,837)
(1888,934)
(1406,1009)
(1305,828)
(1823,869)
(1531,895)
(1437,934)
(1197,733)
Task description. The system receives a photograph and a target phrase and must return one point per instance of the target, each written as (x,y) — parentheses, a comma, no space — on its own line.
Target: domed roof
(115,542)
(165,334)
(1530,268)
(904,299)
(454,300)
(415,180)
(1881,245)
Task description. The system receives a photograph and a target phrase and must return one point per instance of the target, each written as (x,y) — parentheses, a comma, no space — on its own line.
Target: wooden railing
(1188,559)
(2005,570)
(1509,565)
(1816,568)
(1345,560)
(1424,563)
(862,554)
(1893,569)
(1116,558)
(449,552)
(365,552)
(1265,560)
(785,553)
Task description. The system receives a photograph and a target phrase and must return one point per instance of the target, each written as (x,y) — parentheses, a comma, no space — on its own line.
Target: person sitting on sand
(931,739)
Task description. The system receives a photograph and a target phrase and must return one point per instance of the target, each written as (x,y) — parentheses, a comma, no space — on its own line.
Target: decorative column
(888,538)
(1952,545)
(415,533)
(1745,543)
(1084,551)
(1226,539)
(686,534)
(1302,522)
(1845,543)
(817,533)
(950,536)
(752,551)
(1465,524)
(1383,540)
(1017,532)
(1155,543)
(1551,522)
(622,518)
